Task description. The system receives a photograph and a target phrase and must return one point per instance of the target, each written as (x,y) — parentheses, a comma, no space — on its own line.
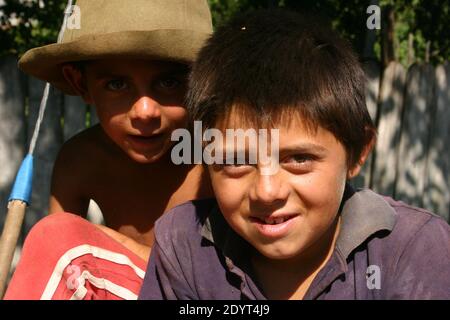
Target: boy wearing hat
(301,231)
(130,60)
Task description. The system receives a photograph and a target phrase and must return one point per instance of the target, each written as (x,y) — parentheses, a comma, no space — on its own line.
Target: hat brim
(167,44)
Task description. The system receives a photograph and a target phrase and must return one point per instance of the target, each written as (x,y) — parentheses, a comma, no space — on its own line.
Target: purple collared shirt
(385,250)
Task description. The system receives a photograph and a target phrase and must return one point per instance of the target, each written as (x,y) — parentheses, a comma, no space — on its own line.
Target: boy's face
(138,102)
(291,212)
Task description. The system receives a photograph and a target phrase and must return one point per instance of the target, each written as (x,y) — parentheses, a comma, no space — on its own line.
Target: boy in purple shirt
(300,231)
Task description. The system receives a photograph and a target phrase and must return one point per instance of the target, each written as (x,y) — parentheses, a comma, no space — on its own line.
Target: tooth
(279,220)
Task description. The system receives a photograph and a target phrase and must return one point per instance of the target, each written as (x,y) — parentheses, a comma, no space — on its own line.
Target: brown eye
(299,159)
(116,85)
(235,167)
(236,162)
(299,162)
(169,83)
(236,170)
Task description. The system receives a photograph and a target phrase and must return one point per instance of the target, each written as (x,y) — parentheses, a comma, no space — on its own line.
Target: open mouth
(149,137)
(273,220)
(144,140)
(274,227)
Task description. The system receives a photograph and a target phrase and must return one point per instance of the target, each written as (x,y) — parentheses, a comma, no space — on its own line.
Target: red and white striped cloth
(65,257)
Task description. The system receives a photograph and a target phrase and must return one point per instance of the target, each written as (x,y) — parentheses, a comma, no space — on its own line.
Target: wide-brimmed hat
(172,30)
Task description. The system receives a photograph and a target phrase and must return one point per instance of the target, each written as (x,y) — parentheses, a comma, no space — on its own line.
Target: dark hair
(272,65)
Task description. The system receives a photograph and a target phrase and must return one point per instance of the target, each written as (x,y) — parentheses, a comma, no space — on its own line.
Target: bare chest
(131,201)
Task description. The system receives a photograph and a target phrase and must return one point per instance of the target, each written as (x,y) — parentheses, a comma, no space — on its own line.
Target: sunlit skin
(306,192)
(138,104)
(124,163)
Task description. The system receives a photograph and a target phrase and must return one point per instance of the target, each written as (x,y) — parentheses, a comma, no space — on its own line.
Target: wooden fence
(65,116)
(411,161)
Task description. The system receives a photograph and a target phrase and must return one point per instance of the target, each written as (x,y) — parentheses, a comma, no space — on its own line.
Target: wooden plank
(12,128)
(372,71)
(47,147)
(389,119)
(74,116)
(414,141)
(437,188)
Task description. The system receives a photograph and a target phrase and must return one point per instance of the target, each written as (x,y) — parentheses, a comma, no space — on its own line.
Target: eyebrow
(175,71)
(295,148)
(107,74)
(304,148)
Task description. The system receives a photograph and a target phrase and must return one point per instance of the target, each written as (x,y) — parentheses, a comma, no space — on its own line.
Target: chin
(279,253)
(146,158)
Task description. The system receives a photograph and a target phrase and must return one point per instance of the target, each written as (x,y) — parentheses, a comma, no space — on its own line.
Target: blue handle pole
(24,181)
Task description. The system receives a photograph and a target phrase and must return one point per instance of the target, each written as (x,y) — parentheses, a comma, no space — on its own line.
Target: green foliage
(422,20)
(27,24)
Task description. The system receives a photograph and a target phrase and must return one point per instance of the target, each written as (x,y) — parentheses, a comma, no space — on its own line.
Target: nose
(269,189)
(145,109)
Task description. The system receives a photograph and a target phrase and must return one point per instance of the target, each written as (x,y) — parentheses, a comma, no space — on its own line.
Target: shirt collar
(216,230)
(363,213)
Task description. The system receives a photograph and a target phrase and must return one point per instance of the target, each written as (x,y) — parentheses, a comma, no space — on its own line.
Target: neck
(295,275)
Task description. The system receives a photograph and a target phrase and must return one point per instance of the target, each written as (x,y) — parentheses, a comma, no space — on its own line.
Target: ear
(76,79)
(353,172)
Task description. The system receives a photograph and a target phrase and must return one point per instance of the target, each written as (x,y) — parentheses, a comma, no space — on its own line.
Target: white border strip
(79,251)
(100,283)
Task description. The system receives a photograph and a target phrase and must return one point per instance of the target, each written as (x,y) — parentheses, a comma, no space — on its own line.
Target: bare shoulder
(85,149)
(73,171)
(81,155)
(88,140)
